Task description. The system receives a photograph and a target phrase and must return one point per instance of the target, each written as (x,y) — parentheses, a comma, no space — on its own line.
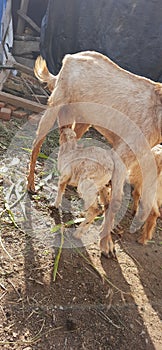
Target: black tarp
(128,31)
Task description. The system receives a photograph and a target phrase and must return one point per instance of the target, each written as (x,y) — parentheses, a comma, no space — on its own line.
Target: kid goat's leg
(91,213)
(88,191)
(61,189)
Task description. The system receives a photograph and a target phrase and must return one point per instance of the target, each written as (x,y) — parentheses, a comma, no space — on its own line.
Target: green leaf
(11,215)
(40,155)
(67,224)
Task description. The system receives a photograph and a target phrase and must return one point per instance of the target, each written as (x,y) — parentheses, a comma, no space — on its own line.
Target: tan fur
(90,169)
(135,178)
(124,107)
(42,73)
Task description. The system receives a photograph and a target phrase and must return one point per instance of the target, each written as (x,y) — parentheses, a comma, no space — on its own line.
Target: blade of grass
(66,224)
(40,155)
(10,214)
(5,250)
(57,259)
(71,222)
(62,227)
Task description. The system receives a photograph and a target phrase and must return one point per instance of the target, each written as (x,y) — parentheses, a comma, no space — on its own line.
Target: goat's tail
(42,73)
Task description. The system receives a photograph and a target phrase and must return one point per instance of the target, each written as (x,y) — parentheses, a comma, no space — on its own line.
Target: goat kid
(90,169)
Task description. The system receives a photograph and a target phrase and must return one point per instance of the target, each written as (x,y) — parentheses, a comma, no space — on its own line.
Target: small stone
(15,334)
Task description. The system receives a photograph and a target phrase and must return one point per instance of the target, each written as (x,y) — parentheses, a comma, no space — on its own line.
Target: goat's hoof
(110,254)
(107,249)
(133,212)
(56,204)
(142,240)
(52,206)
(31,190)
(118,230)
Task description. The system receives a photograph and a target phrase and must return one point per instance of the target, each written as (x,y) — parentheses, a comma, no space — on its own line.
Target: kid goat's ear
(73,125)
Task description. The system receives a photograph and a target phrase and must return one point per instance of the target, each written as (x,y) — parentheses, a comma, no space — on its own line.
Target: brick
(2,104)
(19,114)
(13,108)
(5,113)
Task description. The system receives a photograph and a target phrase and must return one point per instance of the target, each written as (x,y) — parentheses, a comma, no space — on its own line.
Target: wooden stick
(21,22)
(21,102)
(29,20)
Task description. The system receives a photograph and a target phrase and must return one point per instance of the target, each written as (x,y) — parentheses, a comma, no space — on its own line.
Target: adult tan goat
(125,108)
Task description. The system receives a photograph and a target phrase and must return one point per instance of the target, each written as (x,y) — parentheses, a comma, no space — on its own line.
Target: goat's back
(88,162)
(93,77)
(98,87)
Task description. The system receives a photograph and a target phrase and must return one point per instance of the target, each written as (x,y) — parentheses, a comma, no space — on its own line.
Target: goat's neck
(68,146)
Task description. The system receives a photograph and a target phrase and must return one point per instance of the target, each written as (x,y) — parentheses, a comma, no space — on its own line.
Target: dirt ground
(94,303)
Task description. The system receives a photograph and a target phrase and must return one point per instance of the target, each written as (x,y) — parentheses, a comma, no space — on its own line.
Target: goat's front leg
(44,126)
(91,213)
(105,196)
(60,192)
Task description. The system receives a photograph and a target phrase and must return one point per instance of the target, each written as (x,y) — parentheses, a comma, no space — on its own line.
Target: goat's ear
(73,125)
(158,91)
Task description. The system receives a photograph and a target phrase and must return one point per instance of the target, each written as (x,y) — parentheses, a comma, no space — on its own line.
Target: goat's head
(67,135)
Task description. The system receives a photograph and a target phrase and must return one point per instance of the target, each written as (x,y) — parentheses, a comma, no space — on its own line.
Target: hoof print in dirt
(70,324)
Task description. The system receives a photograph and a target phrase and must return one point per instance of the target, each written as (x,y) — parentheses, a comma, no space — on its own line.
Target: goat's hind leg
(149,226)
(136,194)
(106,243)
(44,126)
